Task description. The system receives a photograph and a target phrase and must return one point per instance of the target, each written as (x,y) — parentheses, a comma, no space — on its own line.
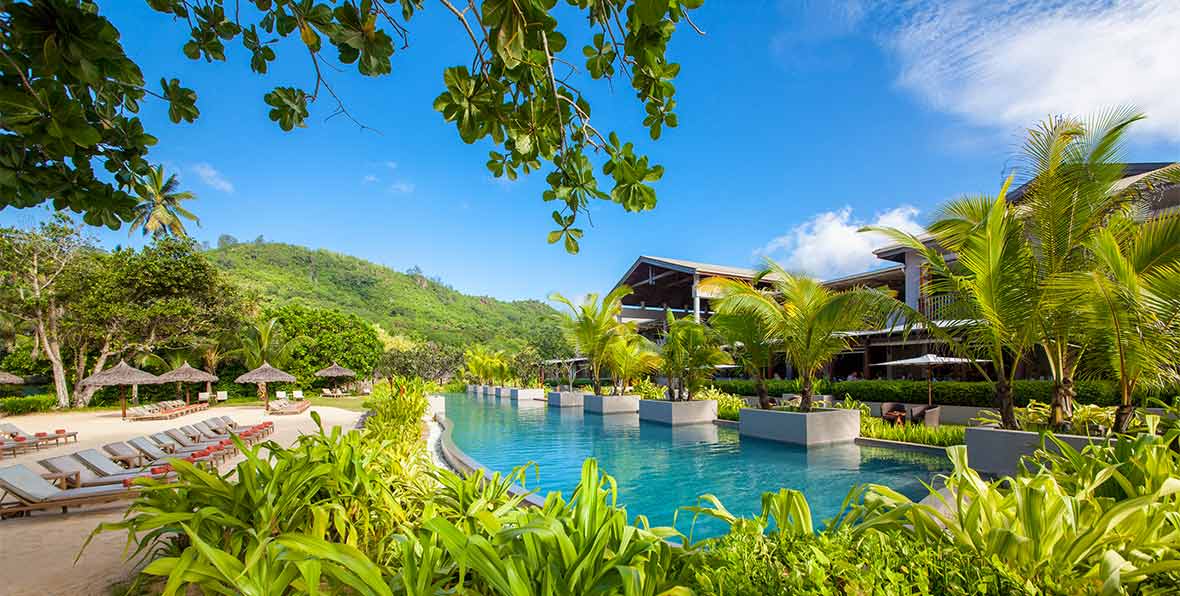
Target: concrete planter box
(485,389)
(819,401)
(565,399)
(818,427)
(678,412)
(528,394)
(611,404)
(997,451)
(504,392)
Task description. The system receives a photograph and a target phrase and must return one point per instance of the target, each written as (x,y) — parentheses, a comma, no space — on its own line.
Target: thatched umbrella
(10,379)
(121,375)
(265,374)
(334,372)
(187,374)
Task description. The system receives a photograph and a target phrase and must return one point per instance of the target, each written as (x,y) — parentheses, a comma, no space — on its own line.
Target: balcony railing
(938,306)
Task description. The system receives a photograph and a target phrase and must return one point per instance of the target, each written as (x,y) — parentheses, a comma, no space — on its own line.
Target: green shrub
(774,387)
(14,406)
(746,562)
(729,406)
(943,435)
(978,394)
(646,389)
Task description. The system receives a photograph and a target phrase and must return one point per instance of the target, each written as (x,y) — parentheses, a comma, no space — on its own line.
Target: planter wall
(819,427)
(613,404)
(997,452)
(678,412)
(504,392)
(485,390)
(565,399)
(528,394)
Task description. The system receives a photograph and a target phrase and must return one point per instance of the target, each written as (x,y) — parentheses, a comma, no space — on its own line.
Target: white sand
(36,553)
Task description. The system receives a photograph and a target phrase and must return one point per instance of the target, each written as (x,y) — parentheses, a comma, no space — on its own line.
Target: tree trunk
(262,391)
(1061,409)
(84,393)
(805,394)
(53,353)
(1122,417)
(1006,405)
(763,394)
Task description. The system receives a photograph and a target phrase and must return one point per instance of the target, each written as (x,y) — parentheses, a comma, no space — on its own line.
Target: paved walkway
(37,553)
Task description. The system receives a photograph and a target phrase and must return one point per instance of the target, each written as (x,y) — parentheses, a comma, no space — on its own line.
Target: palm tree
(1130,302)
(592,326)
(170,360)
(691,354)
(159,210)
(806,318)
(264,342)
(749,348)
(1075,187)
(992,282)
(213,352)
(630,356)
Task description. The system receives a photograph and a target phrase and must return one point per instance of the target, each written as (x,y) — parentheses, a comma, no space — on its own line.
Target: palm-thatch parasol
(265,374)
(334,372)
(187,374)
(7,378)
(929,361)
(121,375)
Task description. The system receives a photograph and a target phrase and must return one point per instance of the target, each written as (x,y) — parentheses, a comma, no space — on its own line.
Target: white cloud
(211,177)
(391,165)
(369,178)
(1012,63)
(828,245)
(402,187)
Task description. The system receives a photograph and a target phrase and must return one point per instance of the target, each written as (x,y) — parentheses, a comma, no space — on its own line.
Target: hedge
(27,405)
(774,387)
(951,393)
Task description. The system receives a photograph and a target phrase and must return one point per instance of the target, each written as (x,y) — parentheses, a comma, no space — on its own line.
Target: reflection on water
(660,468)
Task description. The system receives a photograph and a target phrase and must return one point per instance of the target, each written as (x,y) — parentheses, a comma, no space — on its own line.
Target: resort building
(664,284)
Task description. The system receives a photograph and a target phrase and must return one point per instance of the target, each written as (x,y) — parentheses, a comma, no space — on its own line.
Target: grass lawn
(347,403)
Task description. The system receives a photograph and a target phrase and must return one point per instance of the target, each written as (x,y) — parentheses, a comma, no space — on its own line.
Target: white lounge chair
(297,394)
(203,396)
(281,395)
(222,396)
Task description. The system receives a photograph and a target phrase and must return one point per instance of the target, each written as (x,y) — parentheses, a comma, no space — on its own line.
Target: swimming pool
(660,468)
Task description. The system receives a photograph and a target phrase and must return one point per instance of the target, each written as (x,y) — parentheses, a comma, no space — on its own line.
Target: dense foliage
(943,435)
(27,404)
(72,96)
(412,305)
(332,336)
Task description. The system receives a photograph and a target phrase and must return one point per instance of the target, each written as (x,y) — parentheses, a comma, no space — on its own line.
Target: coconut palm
(159,210)
(1130,303)
(806,318)
(212,353)
(592,325)
(749,347)
(691,353)
(1076,185)
(629,357)
(992,282)
(166,360)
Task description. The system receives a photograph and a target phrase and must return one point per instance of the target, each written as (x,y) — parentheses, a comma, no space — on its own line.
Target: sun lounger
(12,446)
(283,407)
(222,396)
(58,436)
(187,449)
(157,454)
(81,475)
(23,491)
(203,397)
(281,394)
(297,395)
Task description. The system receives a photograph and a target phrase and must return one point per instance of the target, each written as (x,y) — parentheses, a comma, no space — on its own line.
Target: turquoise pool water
(660,468)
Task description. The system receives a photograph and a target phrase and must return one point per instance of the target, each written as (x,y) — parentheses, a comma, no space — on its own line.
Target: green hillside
(407,304)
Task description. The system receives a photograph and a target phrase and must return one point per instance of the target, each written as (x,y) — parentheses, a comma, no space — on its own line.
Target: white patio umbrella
(929,361)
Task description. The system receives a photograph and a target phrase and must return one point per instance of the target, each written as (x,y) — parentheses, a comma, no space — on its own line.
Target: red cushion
(161,469)
(60,431)
(128,481)
(19,439)
(42,434)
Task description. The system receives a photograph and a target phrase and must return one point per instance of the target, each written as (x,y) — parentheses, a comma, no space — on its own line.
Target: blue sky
(799,121)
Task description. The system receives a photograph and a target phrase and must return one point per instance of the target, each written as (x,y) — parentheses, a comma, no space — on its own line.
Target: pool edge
(459,460)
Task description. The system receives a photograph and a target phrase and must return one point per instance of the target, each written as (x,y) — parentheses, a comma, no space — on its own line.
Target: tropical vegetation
(807,320)
(593,327)
(1069,265)
(691,354)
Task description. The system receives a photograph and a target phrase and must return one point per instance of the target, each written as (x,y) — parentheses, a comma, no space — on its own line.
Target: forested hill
(407,304)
